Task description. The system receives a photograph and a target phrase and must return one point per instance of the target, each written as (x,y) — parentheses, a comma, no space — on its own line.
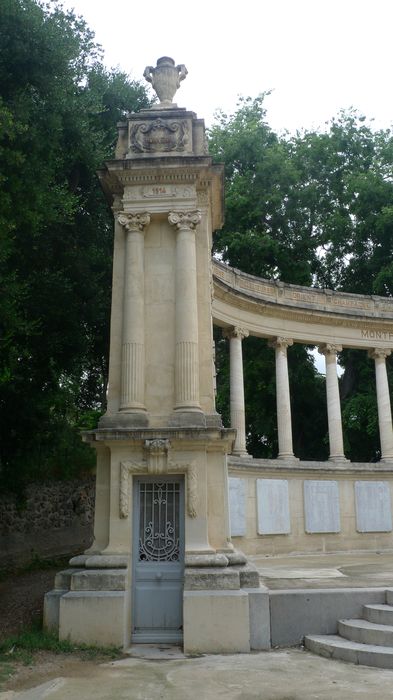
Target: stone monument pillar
(238,413)
(379,355)
(162,548)
(284,420)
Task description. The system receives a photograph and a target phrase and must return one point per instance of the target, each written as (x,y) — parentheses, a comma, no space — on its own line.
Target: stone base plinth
(92,617)
(216,622)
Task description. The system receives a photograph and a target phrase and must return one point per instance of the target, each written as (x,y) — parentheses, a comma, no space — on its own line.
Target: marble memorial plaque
(237,506)
(321,506)
(373,506)
(273,507)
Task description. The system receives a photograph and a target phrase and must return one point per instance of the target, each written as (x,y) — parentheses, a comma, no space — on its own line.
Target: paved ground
(342,570)
(278,675)
(290,674)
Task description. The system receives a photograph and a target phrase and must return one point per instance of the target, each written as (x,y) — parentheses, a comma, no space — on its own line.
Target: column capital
(379,353)
(280,343)
(133,221)
(185,220)
(235,332)
(329,349)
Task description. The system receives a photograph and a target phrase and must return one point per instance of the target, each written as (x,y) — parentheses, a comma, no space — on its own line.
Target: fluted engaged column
(133,338)
(186,314)
(238,416)
(284,421)
(383,400)
(336,442)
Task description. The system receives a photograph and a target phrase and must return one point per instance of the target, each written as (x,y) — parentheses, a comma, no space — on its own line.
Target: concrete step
(334,647)
(365,632)
(380,614)
(389,596)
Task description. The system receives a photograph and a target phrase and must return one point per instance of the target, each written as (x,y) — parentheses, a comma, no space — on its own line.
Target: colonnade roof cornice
(289,295)
(311,316)
(270,467)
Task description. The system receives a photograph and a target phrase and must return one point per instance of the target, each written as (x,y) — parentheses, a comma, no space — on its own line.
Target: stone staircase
(367,641)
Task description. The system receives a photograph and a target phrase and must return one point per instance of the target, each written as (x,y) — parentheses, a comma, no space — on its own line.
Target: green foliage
(35,639)
(22,648)
(313,209)
(58,114)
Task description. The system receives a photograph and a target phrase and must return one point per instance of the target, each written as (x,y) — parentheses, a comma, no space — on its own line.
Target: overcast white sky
(316,55)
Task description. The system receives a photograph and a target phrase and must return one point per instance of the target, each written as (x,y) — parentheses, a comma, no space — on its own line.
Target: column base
(339,460)
(183,418)
(241,453)
(125,419)
(290,458)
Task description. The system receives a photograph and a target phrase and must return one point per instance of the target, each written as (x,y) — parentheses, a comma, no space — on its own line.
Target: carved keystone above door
(157,462)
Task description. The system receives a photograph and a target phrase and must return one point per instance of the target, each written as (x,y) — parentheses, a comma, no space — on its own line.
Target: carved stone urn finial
(165,79)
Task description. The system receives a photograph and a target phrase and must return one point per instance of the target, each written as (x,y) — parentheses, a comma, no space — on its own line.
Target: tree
(312,209)
(58,114)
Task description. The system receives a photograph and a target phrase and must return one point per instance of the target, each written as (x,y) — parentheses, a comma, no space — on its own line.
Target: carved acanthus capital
(280,343)
(135,221)
(329,349)
(236,332)
(184,220)
(379,353)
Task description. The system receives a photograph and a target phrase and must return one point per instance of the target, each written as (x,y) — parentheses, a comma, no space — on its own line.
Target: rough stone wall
(56,519)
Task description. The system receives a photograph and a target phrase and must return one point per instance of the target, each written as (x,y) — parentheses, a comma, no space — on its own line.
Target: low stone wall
(56,519)
(278,507)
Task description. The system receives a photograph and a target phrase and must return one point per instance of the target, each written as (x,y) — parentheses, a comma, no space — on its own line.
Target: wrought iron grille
(159,521)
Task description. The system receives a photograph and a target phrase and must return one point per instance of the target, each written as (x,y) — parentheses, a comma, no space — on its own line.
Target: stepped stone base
(367,641)
(334,647)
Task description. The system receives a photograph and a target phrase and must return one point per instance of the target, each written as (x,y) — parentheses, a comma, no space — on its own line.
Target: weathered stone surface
(98,580)
(211,579)
(236,558)
(63,579)
(107,561)
(273,507)
(79,560)
(249,576)
(208,560)
(373,506)
(294,614)
(51,610)
(92,617)
(321,506)
(216,622)
(237,506)
(259,609)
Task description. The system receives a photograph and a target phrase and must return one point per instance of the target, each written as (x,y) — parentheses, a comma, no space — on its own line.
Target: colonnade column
(383,400)
(132,396)
(336,443)
(238,416)
(284,421)
(186,313)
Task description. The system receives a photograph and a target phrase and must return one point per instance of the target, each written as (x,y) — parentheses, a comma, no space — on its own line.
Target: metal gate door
(158,560)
